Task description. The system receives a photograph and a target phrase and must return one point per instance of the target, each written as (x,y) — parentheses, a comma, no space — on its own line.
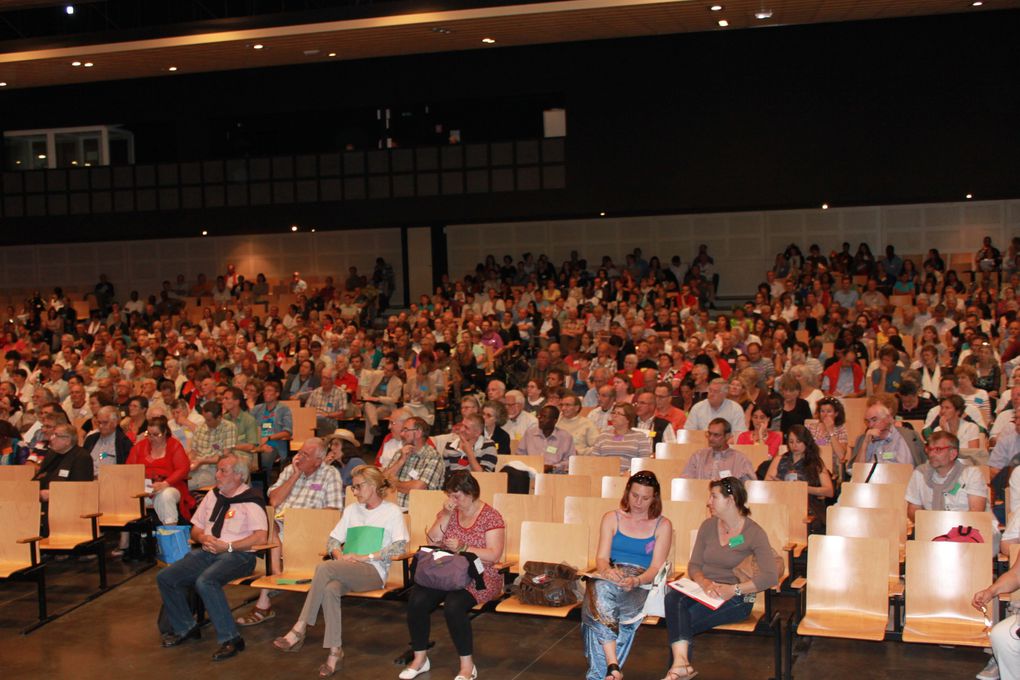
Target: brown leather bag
(547,584)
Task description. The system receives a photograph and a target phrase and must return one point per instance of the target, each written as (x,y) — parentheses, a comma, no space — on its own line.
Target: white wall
(744,245)
(143,265)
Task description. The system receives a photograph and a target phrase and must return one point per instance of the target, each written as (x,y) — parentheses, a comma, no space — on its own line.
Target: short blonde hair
(374,476)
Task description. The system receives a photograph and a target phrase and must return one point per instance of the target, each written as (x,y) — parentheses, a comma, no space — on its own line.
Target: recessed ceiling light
(763,14)
(332,54)
(716,8)
(257,46)
(969,196)
(75,63)
(3,84)
(825,206)
(41,156)
(602,214)
(172,68)
(976,3)
(313,231)
(69,9)
(205,233)
(293,227)
(488,41)
(723,23)
(88,64)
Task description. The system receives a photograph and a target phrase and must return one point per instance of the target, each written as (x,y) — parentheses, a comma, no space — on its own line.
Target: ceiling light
(976,3)
(293,227)
(41,156)
(969,196)
(763,14)
(88,64)
(75,63)
(723,23)
(602,214)
(488,41)
(257,46)
(3,84)
(69,9)
(205,233)
(313,231)
(332,54)
(172,68)
(825,206)
(716,8)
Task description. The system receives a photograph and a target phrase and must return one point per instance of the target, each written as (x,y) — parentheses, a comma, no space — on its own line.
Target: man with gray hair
(517,419)
(716,405)
(495,390)
(107,444)
(329,402)
(882,442)
(305,483)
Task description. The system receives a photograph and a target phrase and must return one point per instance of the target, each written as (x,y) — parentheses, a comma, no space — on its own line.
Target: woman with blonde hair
(369,535)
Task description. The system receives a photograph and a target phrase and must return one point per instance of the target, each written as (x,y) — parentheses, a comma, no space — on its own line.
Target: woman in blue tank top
(633,544)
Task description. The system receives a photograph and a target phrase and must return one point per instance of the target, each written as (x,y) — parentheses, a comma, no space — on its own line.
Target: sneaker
(990,671)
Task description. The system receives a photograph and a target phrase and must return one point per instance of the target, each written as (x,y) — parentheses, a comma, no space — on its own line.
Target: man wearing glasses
(719,460)
(64,462)
(882,441)
(944,482)
(417,465)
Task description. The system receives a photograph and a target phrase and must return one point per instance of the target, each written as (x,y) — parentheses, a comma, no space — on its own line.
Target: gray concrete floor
(116,634)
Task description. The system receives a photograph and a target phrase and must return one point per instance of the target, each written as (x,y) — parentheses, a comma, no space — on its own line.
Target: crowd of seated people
(524,357)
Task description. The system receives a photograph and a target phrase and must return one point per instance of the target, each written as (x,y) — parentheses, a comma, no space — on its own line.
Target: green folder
(363,540)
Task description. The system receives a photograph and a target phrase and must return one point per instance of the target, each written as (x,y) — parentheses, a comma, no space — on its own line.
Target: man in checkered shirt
(305,483)
(329,402)
(214,438)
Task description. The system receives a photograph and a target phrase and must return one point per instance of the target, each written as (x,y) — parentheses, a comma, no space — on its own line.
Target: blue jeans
(686,617)
(208,573)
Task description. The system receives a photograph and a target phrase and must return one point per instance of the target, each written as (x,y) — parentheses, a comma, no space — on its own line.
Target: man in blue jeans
(228,522)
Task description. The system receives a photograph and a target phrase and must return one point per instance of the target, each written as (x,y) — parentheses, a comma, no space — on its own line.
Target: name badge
(267,428)
(216,447)
(550,449)
(315,487)
(651,434)
(230,514)
(888,455)
(413,474)
(955,489)
(63,473)
(723,474)
(736,540)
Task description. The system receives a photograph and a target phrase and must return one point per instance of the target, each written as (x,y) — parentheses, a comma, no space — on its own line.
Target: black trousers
(423,601)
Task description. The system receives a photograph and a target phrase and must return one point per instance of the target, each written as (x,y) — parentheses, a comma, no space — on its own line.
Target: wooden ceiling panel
(512,25)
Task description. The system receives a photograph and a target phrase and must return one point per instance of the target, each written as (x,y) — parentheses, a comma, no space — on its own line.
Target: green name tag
(956,487)
(888,455)
(737,540)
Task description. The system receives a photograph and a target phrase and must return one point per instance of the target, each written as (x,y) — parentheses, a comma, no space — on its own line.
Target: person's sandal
(683,672)
(285,645)
(256,616)
(325,670)
(613,672)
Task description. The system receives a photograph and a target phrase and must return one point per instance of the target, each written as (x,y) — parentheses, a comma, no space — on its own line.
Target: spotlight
(205,233)
(763,14)
(172,68)
(723,23)
(716,8)
(75,63)
(69,9)
(488,41)
(825,206)
(88,64)
(293,227)
(970,196)
(332,54)
(3,84)
(257,46)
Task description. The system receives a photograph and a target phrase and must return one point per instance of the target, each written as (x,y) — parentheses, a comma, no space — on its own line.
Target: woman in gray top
(724,540)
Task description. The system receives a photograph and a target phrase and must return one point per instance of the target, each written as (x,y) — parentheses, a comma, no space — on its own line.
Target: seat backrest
(854,408)
(686,518)
(686,436)
(561,486)
(931,523)
(536,463)
(613,487)
(489,484)
(304,423)
(118,486)
(679,452)
(422,507)
(588,511)
(554,542)
(665,469)
(24,491)
(16,473)
(889,496)
(756,453)
(942,578)
(68,502)
(595,467)
(305,533)
(291,404)
(20,521)
(877,523)
(689,490)
(517,508)
(847,574)
(793,495)
(885,473)
(774,518)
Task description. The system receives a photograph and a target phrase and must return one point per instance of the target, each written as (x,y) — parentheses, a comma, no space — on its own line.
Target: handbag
(441,569)
(172,542)
(961,534)
(655,603)
(547,584)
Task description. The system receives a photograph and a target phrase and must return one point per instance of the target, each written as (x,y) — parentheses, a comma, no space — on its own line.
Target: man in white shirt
(944,482)
(583,430)
(1007,417)
(604,409)
(517,419)
(716,405)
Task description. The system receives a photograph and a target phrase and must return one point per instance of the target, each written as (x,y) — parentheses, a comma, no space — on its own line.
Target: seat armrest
(140,495)
(798,583)
(91,515)
(33,539)
(264,546)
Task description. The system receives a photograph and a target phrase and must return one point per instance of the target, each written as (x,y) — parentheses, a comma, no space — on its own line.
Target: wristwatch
(230,547)
(737,592)
(371,557)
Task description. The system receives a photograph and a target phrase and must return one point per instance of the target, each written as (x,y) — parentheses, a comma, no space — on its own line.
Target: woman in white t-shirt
(951,420)
(369,535)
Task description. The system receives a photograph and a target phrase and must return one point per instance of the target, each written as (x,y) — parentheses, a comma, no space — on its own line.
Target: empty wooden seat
(665,469)
(855,409)
(303,420)
(679,452)
(422,507)
(942,578)
(756,453)
(846,588)
(16,473)
(794,496)
(890,496)
(588,511)
(931,523)
(490,484)
(686,518)
(613,487)
(73,515)
(561,486)
(19,560)
(686,436)
(305,536)
(877,523)
(595,467)
(121,494)
(549,542)
(689,490)
(885,473)
(24,491)
(515,509)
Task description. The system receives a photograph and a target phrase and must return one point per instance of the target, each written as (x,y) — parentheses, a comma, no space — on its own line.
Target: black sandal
(611,669)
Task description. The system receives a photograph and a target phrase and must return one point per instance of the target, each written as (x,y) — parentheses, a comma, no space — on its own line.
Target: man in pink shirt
(228,523)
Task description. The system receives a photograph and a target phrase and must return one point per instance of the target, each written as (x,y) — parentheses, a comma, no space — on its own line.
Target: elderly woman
(134,424)
(724,540)
(166,468)
(621,439)
(343,451)
(494,415)
(369,535)
(634,542)
(465,524)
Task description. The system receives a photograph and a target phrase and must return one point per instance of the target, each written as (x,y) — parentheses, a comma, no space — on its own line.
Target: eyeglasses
(940,449)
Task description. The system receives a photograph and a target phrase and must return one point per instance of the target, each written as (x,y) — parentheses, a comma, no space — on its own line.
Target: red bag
(961,534)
